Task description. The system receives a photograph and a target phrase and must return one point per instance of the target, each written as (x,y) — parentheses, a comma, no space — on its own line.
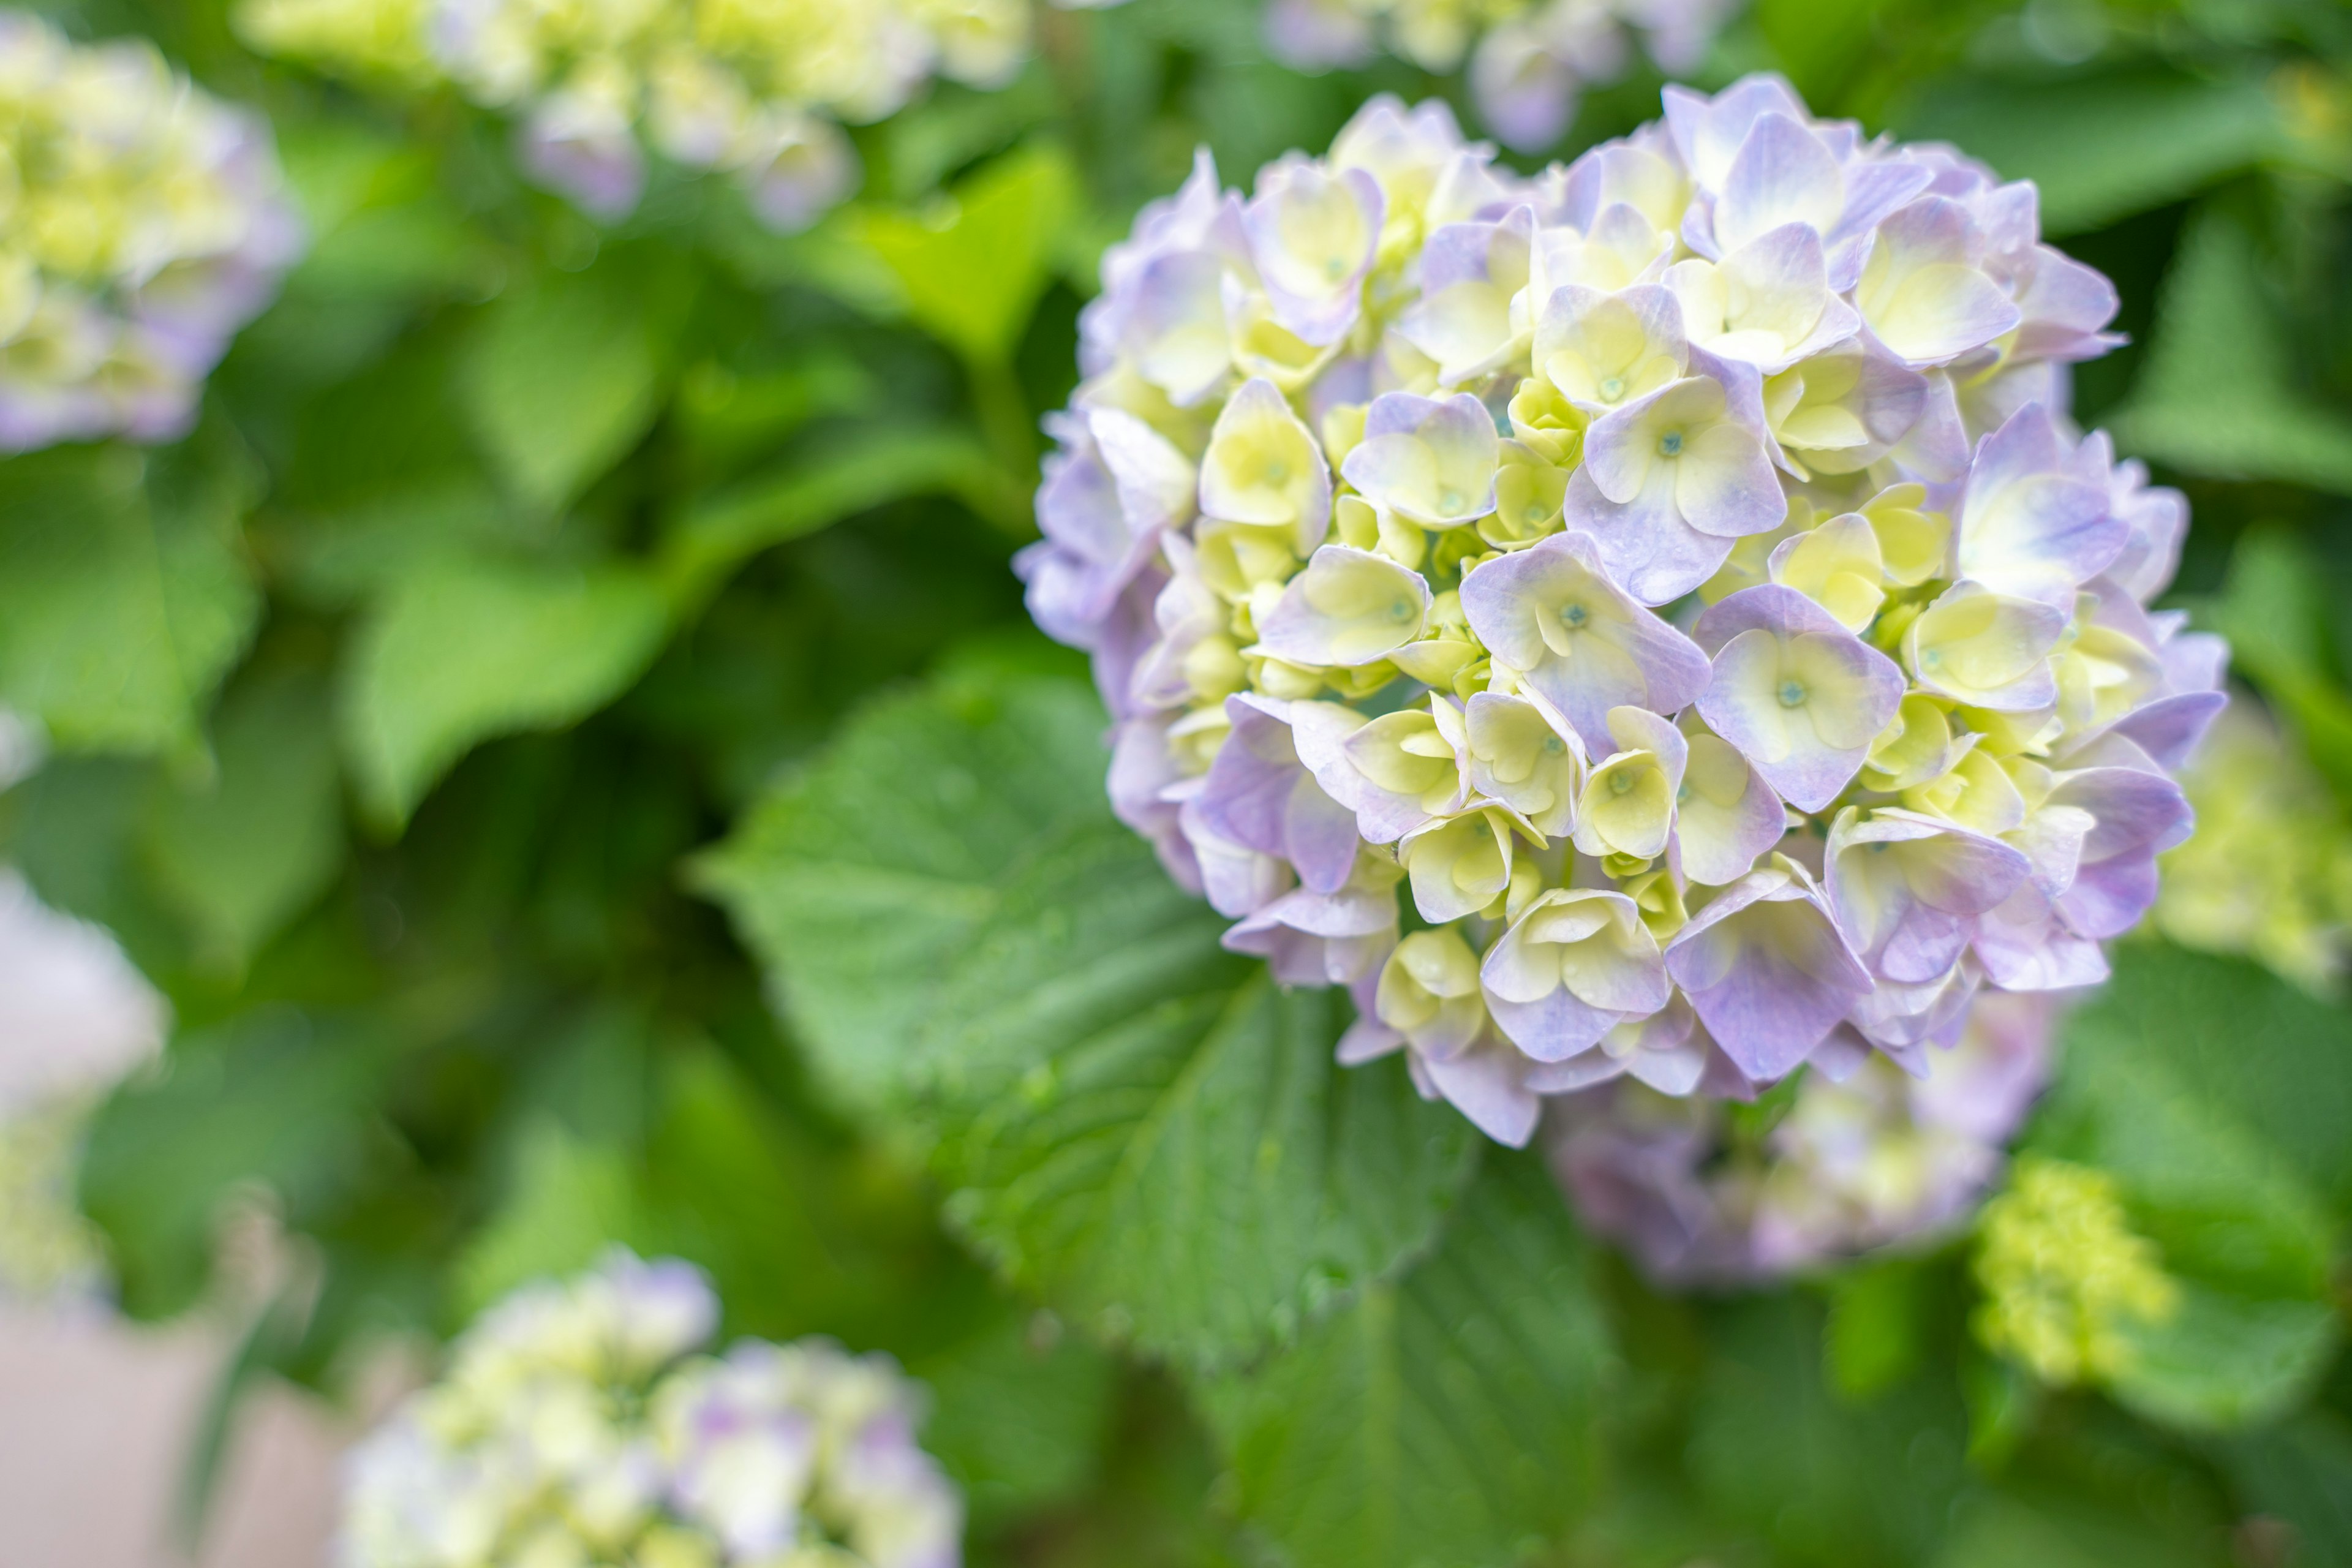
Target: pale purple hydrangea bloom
(149,222)
(758,92)
(1673,573)
(1528,67)
(1864,1157)
(578,1423)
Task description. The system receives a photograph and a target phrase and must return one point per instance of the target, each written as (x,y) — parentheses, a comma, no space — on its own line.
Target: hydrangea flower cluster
(1861,1157)
(2068,1281)
(1529,59)
(575,1427)
(142,223)
(75,1019)
(755,89)
(1673,571)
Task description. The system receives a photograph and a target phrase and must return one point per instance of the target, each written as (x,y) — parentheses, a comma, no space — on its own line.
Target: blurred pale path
(97,1419)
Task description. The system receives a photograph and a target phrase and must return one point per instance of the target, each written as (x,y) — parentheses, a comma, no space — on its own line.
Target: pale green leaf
(1447,1420)
(561,378)
(1128,1118)
(2219,394)
(972,265)
(242,849)
(2106,147)
(124,595)
(456,653)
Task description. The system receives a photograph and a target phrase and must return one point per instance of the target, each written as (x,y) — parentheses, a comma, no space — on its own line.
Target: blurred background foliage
(516,559)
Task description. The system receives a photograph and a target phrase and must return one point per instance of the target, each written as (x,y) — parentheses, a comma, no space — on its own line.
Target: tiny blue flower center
(1554,746)
(1670,445)
(1336,267)
(1449,500)
(1276,473)
(1613,388)
(1538,511)
(1402,611)
(1681,795)
(1574,615)
(1792,694)
(1621,781)
(1931,658)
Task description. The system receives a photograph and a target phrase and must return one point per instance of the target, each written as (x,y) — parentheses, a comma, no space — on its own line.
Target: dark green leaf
(1018,1412)
(1446,1419)
(456,653)
(2300,1472)
(1128,1118)
(244,850)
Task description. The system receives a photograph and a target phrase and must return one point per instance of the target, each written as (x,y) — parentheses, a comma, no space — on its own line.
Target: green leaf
(563,377)
(973,265)
(2300,1471)
(2001,1530)
(243,850)
(2219,396)
(805,494)
(1873,1338)
(2274,610)
(456,653)
(567,1200)
(1448,1418)
(1128,1118)
(124,596)
(274,1097)
(2222,1152)
(2106,147)
(1780,1460)
(2240,1045)
(1018,1412)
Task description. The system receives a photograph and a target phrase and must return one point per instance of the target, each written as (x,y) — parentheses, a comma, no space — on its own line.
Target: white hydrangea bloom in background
(756,89)
(75,1017)
(142,223)
(577,1425)
(1673,578)
(1528,61)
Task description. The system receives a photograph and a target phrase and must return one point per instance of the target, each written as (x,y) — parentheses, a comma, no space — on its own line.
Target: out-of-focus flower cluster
(576,1426)
(142,223)
(1529,60)
(1378,483)
(756,89)
(2066,1279)
(2269,873)
(1861,1156)
(75,1016)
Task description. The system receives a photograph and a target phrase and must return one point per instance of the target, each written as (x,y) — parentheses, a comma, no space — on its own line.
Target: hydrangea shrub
(1650,620)
(143,221)
(578,1424)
